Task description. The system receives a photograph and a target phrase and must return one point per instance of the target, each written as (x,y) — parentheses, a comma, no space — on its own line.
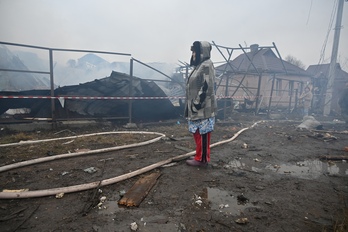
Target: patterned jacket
(200,92)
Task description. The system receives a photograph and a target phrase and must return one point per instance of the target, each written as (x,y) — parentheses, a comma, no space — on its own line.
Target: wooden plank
(139,190)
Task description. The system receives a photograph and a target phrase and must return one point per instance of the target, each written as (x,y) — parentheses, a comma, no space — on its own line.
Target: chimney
(254,48)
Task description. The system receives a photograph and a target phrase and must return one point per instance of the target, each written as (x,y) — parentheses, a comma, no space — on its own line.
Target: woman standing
(201,107)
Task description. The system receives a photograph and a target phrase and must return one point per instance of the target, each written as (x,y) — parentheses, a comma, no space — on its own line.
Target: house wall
(281,94)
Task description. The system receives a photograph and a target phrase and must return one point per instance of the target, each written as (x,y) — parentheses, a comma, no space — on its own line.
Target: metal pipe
(25,71)
(251,62)
(53,107)
(152,68)
(130,105)
(280,57)
(258,94)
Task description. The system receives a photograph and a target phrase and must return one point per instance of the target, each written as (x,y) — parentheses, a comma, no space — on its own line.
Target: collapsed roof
(116,85)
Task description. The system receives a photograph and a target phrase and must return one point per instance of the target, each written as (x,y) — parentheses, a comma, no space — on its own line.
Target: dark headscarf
(196,47)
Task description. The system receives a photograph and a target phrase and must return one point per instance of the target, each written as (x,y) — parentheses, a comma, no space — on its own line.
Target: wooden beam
(139,190)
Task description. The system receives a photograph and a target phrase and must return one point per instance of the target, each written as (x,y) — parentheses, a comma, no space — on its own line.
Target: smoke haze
(163,31)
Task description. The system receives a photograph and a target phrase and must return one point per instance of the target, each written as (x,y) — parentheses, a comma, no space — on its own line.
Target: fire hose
(95,184)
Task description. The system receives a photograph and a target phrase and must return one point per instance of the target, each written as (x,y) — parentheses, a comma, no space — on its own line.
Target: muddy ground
(270,178)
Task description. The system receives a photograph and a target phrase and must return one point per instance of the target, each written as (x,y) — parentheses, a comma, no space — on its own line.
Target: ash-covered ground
(273,176)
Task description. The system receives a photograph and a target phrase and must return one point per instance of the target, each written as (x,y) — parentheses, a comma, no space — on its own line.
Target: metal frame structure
(247,90)
(219,48)
(51,73)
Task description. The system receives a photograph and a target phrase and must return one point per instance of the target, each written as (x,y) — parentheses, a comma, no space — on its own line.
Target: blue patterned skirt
(203,125)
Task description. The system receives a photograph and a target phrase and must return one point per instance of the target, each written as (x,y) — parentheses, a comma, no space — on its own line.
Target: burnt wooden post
(270,98)
(291,85)
(226,96)
(258,94)
(296,98)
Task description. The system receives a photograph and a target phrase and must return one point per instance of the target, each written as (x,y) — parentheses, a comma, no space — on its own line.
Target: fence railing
(50,72)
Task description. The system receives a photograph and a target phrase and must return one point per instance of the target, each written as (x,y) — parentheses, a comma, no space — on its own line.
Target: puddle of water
(223,201)
(241,165)
(310,169)
(110,210)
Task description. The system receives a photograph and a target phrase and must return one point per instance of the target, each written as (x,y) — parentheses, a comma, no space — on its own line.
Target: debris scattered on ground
(59,195)
(331,157)
(50,153)
(130,126)
(221,206)
(323,136)
(103,160)
(242,199)
(169,165)
(122,192)
(90,170)
(242,221)
(134,226)
(172,206)
(101,202)
(309,122)
(68,142)
(259,187)
(331,163)
(198,200)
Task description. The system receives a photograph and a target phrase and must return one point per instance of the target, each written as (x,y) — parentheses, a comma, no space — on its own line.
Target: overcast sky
(163,30)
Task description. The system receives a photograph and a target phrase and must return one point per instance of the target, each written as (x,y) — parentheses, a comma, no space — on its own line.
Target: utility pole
(332,68)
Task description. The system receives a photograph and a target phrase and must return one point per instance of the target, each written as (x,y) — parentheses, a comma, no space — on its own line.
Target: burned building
(261,79)
(109,97)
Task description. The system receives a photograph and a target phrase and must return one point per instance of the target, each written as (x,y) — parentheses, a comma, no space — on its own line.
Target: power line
(309,13)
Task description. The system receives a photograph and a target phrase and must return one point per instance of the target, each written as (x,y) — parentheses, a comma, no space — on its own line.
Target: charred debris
(99,102)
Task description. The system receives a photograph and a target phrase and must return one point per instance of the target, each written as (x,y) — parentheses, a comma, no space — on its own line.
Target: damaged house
(259,79)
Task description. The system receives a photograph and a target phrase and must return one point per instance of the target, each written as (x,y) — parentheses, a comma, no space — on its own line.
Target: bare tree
(295,61)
